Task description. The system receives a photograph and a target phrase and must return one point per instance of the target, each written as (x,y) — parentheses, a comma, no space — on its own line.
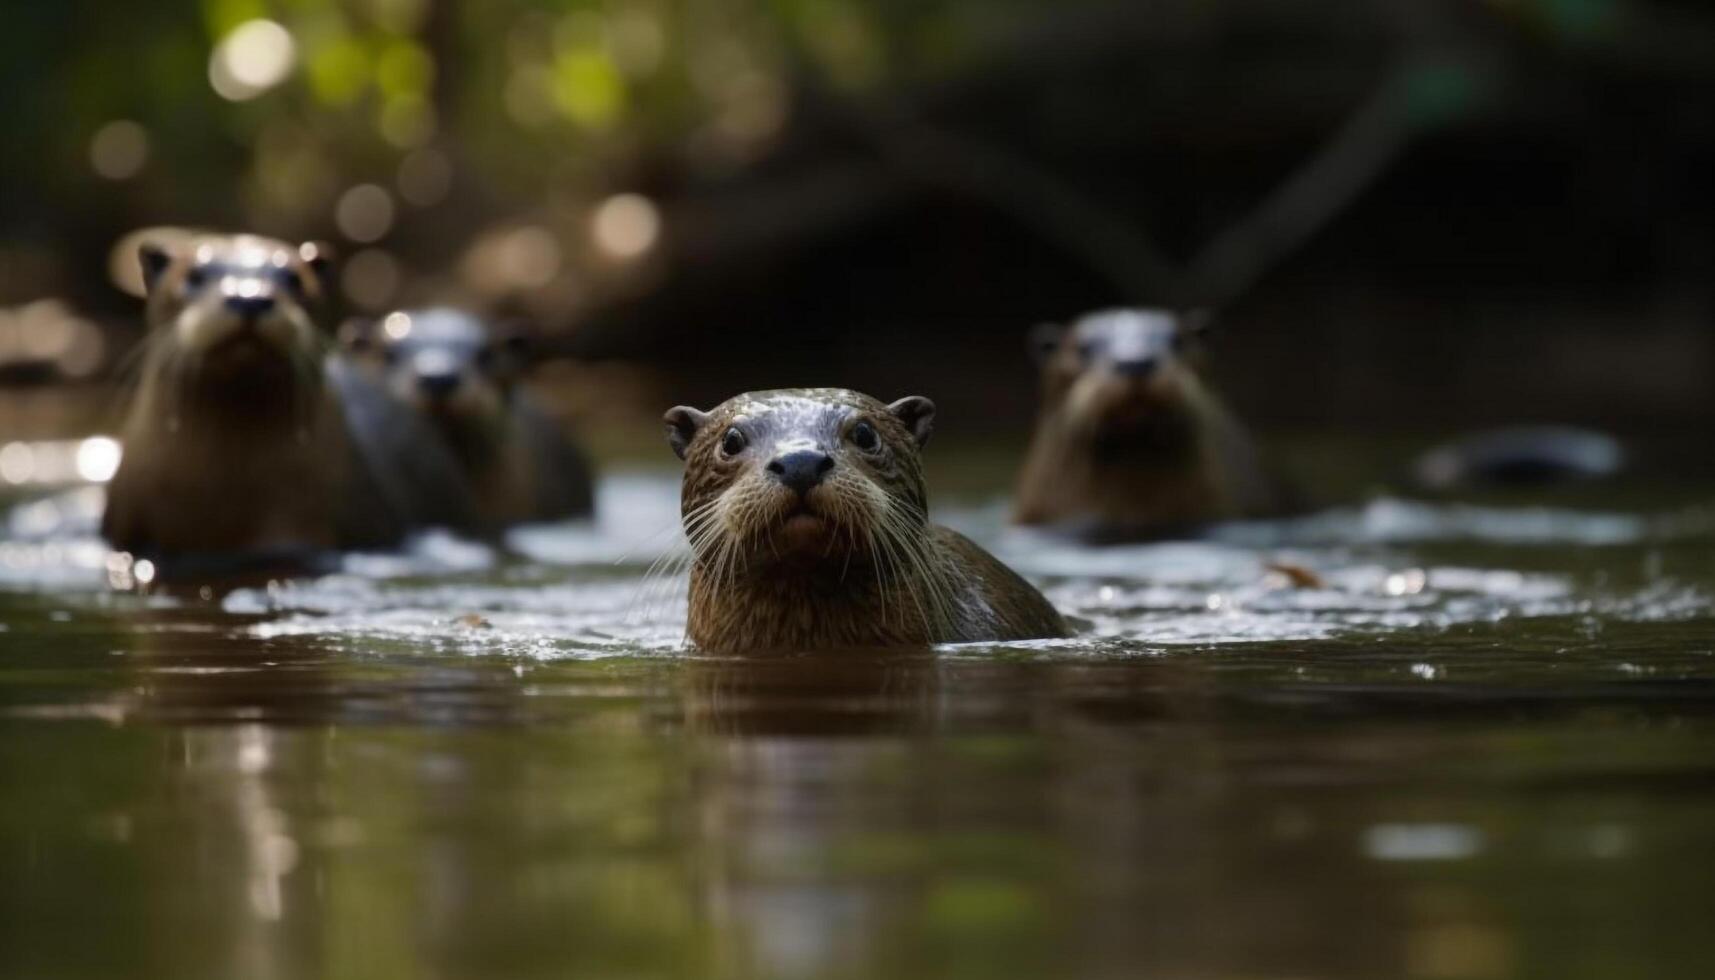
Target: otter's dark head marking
(242,294)
(1121,371)
(805,475)
(446,362)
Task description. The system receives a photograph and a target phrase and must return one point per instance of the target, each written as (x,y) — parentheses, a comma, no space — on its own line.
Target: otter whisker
(901,556)
(927,576)
(896,564)
(921,581)
(656,581)
(671,563)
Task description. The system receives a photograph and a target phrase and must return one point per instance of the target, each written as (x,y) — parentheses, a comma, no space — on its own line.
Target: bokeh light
(119,150)
(45,330)
(17,463)
(98,459)
(47,333)
(512,259)
(365,213)
(625,226)
(532,257)
(255,57)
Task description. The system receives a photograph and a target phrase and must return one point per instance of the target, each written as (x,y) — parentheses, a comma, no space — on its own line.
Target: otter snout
(441,385)
(438,372)
(250,305)
(801,470)
(1136,368)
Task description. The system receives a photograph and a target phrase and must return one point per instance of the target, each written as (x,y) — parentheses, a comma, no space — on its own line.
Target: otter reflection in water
(465,381)
(246,441)
(808,523)
(1130,442)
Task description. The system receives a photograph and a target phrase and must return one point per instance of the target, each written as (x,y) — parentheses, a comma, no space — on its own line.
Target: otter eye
(292,281)
(733,442)
(864,437)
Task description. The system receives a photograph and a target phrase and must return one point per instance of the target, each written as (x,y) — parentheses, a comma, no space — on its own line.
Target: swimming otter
(1520,456)
(807,518)
(463,380)
(1130,442)
(245,441)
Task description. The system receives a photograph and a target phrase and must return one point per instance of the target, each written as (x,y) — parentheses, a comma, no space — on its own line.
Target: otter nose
(438,385)
(801,469)
(250,306)
(437,371)
(1135,367)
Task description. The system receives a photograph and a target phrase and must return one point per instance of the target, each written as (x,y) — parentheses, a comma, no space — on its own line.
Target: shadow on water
(1480,746)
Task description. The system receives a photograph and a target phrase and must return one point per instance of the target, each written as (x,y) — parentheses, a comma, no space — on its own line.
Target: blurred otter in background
(246,441)
(1531,457)
(463,379)
(1130,443)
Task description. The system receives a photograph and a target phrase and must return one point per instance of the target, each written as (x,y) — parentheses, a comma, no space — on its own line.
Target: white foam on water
(1423,842)
(578,588)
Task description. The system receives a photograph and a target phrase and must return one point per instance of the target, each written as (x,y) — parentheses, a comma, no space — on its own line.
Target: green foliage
(527,94)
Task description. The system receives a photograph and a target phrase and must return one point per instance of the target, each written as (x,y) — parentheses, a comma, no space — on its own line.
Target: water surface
(1483,746)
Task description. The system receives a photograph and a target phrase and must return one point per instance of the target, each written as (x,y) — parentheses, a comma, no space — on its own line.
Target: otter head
(232,307)
(804,476)
(1124,380)
(445,362)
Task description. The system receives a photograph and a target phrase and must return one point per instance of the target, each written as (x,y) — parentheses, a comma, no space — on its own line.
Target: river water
(1482,745)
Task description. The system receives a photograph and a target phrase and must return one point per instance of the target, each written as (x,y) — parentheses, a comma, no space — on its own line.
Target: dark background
(1411,215)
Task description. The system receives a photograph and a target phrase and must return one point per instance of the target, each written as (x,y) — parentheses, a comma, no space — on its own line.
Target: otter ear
(918,414)
(683,424)
(154,259)
(1045,340)
(318,257)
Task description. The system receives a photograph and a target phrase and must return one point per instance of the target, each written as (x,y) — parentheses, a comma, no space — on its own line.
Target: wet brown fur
(862,584)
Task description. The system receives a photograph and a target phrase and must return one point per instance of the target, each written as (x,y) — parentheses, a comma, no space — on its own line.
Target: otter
(1130,442)
(463,379)
(808,522)
(1519,456)
(247,441)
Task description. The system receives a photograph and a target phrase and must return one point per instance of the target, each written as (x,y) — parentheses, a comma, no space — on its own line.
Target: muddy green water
(1486,748)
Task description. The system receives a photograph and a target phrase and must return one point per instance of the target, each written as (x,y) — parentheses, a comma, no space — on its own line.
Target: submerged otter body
(245,440)
(1130,442)
(808,522)
(463,381)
